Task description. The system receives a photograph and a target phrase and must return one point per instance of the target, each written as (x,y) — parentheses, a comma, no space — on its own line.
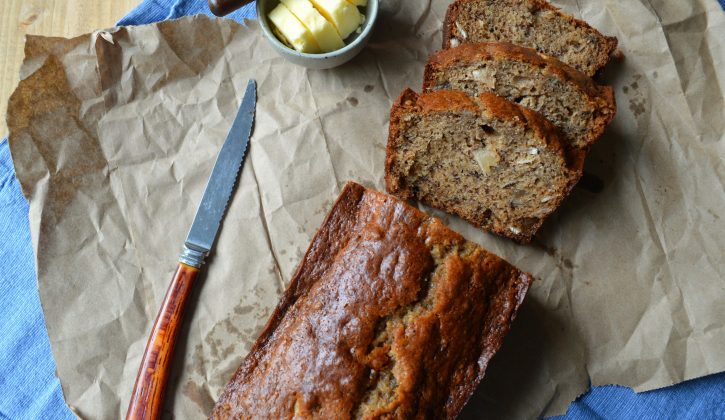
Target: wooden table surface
(66,18)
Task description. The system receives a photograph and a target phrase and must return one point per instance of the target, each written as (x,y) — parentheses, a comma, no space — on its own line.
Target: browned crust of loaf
(500,308)
(448,100)
(603,96)
(601,60)
(454,101)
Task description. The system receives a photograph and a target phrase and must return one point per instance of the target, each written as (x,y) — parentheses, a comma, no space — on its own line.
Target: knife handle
(224,7)
(148,392)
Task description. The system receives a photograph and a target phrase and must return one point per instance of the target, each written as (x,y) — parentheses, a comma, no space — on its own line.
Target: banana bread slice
(496,164)
(389,315)
(535,24)
(571,100)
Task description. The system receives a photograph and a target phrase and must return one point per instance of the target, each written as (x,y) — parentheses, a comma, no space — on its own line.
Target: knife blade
(148,391)
(209,215)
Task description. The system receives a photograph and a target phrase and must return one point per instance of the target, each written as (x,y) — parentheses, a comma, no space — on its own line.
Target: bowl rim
(371,14)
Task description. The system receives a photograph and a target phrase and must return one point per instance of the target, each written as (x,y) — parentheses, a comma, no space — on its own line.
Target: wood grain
(148,392)
(66,18)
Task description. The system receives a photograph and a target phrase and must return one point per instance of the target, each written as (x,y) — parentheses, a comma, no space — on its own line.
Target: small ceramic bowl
(353,44)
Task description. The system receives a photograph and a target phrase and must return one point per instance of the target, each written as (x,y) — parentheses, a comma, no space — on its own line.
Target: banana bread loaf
(580,108)
(535,24)
(389,314)
(498,165)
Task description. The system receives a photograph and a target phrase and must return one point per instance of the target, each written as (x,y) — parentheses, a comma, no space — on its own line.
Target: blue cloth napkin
(29,388)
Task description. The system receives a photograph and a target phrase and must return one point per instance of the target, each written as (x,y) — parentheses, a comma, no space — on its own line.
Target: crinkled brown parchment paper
(114,134)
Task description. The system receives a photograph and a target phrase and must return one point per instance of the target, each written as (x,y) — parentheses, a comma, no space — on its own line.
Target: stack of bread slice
(507,115)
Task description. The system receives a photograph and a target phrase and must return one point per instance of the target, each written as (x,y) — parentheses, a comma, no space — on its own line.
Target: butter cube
(322,31)
(293,32)
(342,14)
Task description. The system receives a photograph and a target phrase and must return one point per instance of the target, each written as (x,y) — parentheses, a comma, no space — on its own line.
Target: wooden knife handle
(148,392)
(224,7)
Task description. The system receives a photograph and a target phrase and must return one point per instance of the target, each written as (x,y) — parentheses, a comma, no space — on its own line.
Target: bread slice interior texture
(495,164)
(531,23)
(580,108)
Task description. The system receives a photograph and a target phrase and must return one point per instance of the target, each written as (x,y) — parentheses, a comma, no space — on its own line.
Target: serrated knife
(148,392)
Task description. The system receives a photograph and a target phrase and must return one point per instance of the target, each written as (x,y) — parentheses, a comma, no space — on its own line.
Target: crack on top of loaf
(382,393)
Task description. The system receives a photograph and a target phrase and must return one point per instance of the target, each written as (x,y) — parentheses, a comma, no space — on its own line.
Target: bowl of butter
(318,34)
